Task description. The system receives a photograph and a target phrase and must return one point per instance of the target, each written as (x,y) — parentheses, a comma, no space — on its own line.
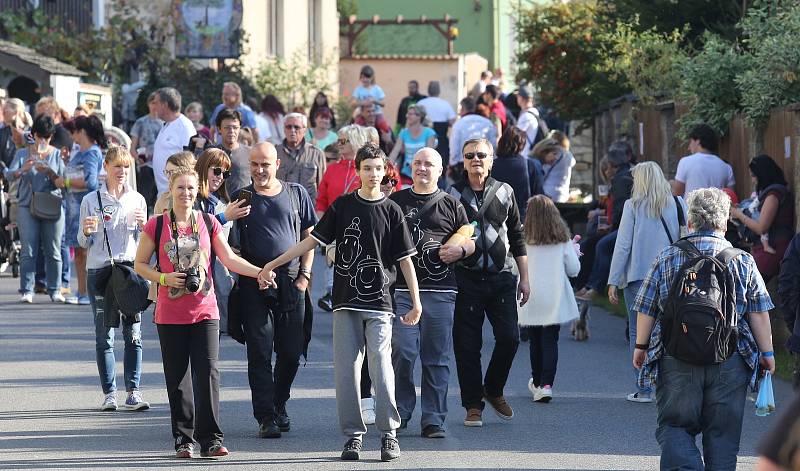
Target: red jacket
(339,178)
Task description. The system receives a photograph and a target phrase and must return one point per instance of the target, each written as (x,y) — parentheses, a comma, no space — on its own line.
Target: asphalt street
(50,393)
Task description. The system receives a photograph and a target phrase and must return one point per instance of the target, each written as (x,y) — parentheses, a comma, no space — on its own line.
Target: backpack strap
(726,255)
(295,210)
(687,246)
(430,204)
(159,229)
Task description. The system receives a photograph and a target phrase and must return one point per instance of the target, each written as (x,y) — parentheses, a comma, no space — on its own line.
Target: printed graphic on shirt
(427,259)
(368,281)
(189,254)
(349,249)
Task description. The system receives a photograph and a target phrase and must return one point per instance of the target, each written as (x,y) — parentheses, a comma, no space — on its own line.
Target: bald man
(281,214)
(432,216)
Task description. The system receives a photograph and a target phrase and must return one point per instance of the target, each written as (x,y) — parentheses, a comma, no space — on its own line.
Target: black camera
(192,279)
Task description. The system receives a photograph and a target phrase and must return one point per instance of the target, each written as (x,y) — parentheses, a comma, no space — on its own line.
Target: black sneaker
(433,431)
(282,418)
(269,429)
(325,303)
(351,449)
(39,288)
(390,448)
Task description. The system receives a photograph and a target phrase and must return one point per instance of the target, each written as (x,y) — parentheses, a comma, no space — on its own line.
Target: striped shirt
(750,292)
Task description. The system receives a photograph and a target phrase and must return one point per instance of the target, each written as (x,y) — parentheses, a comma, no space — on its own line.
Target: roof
(32,57)
(430,57)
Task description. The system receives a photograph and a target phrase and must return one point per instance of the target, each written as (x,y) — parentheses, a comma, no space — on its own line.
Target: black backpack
(699,325)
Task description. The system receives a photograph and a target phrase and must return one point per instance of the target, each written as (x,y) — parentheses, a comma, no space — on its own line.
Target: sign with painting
(208,28)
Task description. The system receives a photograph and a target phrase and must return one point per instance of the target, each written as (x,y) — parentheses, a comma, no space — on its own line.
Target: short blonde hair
(545,146)
(180,172)
(118,154)
(354,135)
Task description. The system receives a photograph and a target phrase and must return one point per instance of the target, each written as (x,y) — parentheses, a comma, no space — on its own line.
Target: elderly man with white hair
(703,392)
(433,217)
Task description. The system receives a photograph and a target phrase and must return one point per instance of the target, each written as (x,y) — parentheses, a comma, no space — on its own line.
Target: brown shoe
(473,418)
(501,407)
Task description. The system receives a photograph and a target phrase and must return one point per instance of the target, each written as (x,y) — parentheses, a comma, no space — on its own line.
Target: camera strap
(174,229)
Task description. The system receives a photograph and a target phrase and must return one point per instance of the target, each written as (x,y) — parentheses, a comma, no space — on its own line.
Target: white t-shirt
(437,109)
(704,171)
(171,139)
(529,122)
(471,126)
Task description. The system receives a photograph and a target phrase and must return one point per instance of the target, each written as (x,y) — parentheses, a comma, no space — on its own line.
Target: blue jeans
(602,262)
(630,296)
(104,344)
(431,341)
(32,232)
(695,399)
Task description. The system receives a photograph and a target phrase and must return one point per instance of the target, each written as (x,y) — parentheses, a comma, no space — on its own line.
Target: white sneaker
(26,298)
(543,394)
(532,388)
(109,402)
(644,398)
(57,297)
(135,401)
(71,299)
(368,410)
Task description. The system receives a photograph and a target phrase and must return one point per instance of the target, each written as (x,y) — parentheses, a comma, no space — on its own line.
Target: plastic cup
(93,228)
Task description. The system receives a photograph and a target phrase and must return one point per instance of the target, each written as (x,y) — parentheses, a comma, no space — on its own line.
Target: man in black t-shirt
(280,215)
(371,236)
(433,217)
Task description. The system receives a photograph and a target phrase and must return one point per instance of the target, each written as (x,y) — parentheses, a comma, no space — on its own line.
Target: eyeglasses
(231,128)
(218,171)
(389,181)
(293,127)
(472,155)
(168,173)
(341,142)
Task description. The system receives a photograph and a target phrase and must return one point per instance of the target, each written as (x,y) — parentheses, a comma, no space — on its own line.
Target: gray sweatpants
(432,341)
(350,329)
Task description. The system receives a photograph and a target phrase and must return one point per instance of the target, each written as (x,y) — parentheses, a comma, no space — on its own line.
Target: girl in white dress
(552,259)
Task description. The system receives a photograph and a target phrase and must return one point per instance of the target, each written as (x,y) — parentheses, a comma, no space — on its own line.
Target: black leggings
(544,353)
(198,345)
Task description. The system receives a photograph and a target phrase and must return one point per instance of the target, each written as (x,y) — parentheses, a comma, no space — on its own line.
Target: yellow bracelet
(66,183)
(162,280)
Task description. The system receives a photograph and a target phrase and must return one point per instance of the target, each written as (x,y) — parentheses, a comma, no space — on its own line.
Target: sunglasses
(389,181)
(472,155)
(341,142)
(218,171)
(293,127)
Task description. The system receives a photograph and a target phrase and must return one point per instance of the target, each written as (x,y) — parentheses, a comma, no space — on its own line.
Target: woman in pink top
(186,312)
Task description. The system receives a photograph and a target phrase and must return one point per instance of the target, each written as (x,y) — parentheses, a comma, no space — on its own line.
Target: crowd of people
(427,230)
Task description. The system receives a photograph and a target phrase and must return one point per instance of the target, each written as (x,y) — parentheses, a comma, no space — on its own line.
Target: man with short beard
(301,161)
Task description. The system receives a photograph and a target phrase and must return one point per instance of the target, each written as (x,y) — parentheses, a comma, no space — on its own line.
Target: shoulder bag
(45,205)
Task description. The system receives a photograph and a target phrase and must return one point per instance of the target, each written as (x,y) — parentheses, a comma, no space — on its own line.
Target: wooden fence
(652,130)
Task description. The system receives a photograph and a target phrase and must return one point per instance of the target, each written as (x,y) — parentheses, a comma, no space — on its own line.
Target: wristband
(642,346)
(463,252)
(66,183)
(768,354)
(222,219)
(305,272)
(162,280)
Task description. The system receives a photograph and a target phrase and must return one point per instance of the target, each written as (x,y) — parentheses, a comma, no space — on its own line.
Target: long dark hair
(312,113)
(271,107)
(766,172)
(511,142)
(93,127)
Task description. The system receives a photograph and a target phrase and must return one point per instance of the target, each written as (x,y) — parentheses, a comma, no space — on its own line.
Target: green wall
(475,27)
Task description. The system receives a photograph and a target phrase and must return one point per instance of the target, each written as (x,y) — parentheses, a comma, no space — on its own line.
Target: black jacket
(498,232)
(621,188)
(789,292)
(7,146)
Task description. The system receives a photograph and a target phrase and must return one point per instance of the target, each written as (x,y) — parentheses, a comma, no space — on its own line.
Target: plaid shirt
(751,296)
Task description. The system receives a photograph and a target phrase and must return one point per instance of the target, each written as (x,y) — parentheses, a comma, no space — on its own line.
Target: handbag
(45,205)
(129,288)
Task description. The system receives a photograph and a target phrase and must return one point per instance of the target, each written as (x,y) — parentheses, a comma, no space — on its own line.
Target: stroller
(9,237)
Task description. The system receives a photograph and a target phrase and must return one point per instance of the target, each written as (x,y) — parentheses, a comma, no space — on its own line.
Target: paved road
(49,392)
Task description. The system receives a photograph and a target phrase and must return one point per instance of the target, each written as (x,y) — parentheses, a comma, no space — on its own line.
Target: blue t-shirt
(411,146)
(363,94)
(269,230)
(87,164)
(248,117)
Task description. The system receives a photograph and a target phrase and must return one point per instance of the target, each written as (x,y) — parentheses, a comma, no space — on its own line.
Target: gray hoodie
(123,241)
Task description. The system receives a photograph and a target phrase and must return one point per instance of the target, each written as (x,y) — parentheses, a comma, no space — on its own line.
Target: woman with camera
(111,222)
(186,312)
(39,168)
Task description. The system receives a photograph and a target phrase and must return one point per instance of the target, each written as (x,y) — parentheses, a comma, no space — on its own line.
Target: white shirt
(704,171)
(549,269)
(437,109)
(262,125)
(171,140)
(471,126)
(529,122)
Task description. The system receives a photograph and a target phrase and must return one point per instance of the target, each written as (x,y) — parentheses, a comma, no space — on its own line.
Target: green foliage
(773,78)
(648,62)
(709,85)
(561,53)
(347,7)
(294,82)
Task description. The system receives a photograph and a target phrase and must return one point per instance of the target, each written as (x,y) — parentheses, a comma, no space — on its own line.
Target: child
(194,111)
(368,91)
(552,259)
(751,207)
(332,154)
(371,236)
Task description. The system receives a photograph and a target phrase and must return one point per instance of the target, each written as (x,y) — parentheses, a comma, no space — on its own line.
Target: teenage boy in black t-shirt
(371,236)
